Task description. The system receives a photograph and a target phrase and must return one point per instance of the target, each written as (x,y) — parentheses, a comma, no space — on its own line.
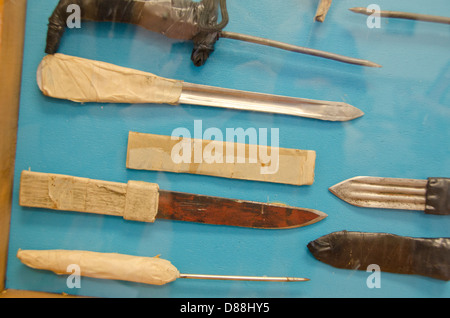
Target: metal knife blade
(431,195)
(203,95)
(222,211)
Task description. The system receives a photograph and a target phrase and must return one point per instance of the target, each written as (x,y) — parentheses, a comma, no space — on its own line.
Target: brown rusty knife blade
(221,211)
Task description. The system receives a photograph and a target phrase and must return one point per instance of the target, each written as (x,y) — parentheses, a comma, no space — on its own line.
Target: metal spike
(402,15)
(246,278)
(297,49)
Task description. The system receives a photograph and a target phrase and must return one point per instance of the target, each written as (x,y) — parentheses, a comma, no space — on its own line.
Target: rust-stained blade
(221,211)
(145,202)
(385,193)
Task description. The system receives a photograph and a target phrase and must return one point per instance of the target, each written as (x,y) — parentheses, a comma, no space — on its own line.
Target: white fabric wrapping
(156,153)
(135,200)
(146,270)
(83,80)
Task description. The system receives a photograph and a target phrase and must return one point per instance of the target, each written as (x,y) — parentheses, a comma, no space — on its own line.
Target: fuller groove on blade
(221,211)
(385,193)
(203,95)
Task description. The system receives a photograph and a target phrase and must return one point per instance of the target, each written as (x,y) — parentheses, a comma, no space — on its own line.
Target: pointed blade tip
(350,113)
(339,190)
(333,188)
(358,114)
(319,217)
(354,112)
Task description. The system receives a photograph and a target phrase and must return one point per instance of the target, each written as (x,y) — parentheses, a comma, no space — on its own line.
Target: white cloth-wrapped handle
(83,80)
(146,270)
(135,200)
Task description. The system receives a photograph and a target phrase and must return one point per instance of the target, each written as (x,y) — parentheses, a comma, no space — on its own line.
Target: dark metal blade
(220,211)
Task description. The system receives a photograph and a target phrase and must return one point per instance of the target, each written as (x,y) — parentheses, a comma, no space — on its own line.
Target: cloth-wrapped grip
(113,266)
(135,200)
(82,80)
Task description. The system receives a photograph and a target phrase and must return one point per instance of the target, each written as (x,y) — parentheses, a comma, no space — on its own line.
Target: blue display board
(403,134)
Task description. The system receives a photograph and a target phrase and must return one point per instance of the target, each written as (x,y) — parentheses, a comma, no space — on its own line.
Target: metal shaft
(297,49)
(244,278)
(403,15)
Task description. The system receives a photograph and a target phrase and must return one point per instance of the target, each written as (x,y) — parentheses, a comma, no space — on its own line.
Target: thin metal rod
(297,49)
(245,278)
(403,15)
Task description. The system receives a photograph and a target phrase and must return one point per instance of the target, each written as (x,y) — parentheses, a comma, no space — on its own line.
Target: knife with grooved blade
(431,195)
(145,202)
(84,81)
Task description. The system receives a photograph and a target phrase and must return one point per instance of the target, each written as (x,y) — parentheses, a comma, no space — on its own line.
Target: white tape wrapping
(161,153)
(113,266)
(83,80)
(135,200)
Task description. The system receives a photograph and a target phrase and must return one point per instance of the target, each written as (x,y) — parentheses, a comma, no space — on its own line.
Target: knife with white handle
(85,81)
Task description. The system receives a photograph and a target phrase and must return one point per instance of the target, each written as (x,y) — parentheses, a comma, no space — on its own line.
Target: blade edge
(231,212)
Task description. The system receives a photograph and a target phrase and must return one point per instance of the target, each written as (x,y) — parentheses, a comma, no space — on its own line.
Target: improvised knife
(143,201)
(392,253)
(85,81)
(115,266)
(431,196)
